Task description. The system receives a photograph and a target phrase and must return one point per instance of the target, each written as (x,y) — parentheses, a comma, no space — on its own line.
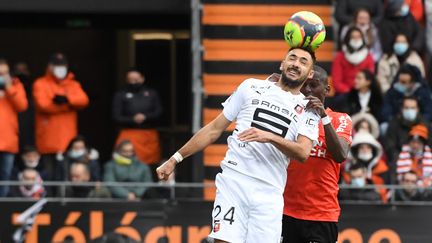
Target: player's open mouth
(292,72)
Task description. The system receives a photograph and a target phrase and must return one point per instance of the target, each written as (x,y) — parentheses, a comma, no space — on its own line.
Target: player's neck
(284,87)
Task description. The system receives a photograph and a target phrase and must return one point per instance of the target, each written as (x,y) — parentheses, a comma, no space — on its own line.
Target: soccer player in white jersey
(272,127)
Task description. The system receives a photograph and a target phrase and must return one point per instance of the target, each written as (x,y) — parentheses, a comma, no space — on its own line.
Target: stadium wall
(190,222)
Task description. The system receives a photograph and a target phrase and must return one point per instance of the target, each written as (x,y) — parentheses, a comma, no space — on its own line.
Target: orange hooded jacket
(57,124)
(12,101)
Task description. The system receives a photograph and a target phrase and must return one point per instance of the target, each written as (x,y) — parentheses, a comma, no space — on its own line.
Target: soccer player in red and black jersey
(311,209)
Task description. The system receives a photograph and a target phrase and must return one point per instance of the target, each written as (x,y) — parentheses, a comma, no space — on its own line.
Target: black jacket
(127,103)
(351,104)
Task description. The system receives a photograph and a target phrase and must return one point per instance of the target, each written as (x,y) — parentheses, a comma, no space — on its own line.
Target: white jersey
(264,105)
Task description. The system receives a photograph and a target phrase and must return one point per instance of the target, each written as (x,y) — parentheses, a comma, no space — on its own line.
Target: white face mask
(75,154)
(365,156)
(31,164)
(361,182)
(409,114)
(356,44)
(60,72)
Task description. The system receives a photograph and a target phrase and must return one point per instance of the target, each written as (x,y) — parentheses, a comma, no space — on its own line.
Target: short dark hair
(311,53)
(356,166)
(29,149)
(78,138)
(122,143)
(3,61)
(410,98)
(134,69)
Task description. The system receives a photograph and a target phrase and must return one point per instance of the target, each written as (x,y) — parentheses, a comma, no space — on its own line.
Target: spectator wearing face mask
(353,57)
(78,150)
(416,155)
(358,175)
(125,167)
(136,110)
(368,152)
(408,82)
(12,101)
(410,191)
(30,159)
(363,21)
(58,97)
(35,190)
(398,19)
(400,126)
(400,54)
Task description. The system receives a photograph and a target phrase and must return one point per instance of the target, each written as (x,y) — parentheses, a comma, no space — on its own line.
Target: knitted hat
(419,131)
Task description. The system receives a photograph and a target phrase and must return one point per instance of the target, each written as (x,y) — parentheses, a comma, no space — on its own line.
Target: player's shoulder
(338,115)
(253,84)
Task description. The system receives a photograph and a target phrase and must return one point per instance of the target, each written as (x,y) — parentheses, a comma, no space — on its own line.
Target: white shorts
(246,209)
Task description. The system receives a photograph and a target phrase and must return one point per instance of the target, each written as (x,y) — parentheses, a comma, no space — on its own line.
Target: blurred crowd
(379,75)
(380,78)
(39,138)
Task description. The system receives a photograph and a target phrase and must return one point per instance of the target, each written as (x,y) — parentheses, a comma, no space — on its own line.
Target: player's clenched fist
(166,169)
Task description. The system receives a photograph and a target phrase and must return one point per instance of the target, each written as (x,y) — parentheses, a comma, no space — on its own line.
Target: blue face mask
(400,48)
(409,114)
(404,10)
(360,182)
(400,87)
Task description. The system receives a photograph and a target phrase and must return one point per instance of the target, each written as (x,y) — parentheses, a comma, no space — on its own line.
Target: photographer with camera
(12,100)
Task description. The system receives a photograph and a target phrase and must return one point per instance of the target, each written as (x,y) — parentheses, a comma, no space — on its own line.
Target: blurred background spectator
(416,155)
(399,128)
(136,110)
(57,97)
(368,152)
(410,192)
(353,57)
(364,97)
(78,150)
(34,189)
(362,20)
(400,54)
(30,158)
(358,175)
(80,172)
(345,10)
(365,122)
(125,167)
(12,100)
(408,82)
(398,19)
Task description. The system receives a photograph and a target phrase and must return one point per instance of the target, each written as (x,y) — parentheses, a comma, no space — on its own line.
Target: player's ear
(327,90)
(311,73)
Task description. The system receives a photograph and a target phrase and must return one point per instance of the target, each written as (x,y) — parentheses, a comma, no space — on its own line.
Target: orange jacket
(12,101)
(57,124)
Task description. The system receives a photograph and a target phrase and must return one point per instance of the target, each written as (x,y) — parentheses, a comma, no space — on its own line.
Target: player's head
(317,85)
(297,67)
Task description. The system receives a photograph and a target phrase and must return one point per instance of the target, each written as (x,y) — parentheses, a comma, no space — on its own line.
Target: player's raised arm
(337,145)
(204,137)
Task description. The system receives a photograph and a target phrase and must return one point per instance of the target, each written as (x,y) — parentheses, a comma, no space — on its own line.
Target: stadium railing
(173,187)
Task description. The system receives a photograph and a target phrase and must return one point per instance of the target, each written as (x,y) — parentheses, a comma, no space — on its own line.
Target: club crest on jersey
(216,227)
(298,109)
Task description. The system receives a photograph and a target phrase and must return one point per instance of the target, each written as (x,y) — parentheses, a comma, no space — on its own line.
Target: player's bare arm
(298,150)
(336,145)
(204,137)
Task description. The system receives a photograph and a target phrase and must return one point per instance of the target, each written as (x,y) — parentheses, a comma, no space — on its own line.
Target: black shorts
(306,231)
